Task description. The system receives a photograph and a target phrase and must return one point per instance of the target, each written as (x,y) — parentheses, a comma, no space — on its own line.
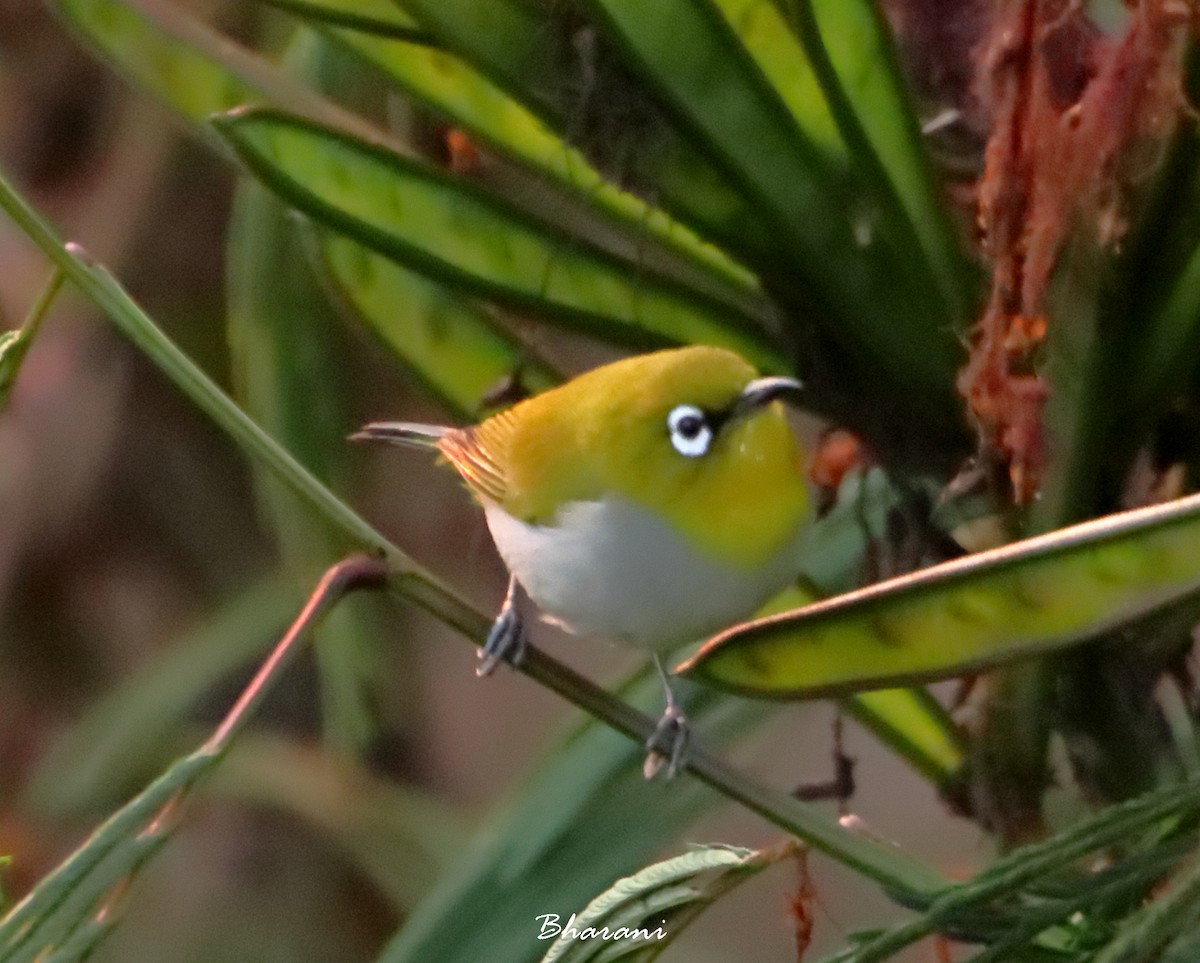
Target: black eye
(690,426)
(690,431)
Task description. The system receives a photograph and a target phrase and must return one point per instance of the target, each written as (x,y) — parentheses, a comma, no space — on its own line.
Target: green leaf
(67,913)
(850,46)
(916,727)
(445,84)
(189,67)
(381,18)
(448,342)
(910,722)
(285,357)
(14,345)
(768,38)
(547,59)
(455,232)
(873,293)
(585,817)
(199,74)
(638,917)
(1025,598)
(153,56)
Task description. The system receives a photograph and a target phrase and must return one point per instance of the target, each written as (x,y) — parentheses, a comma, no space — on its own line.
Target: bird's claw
(668,744)
(505,643)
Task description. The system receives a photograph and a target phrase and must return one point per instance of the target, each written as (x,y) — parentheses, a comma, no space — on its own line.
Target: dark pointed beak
(762,391)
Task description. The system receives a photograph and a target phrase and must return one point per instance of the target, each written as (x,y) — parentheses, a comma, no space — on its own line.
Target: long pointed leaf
(449,343)
(1029,597)
(453,231)
(380,18)
(849,44)
(465,98)
(540,57)
(877,287)
(188,66)
(764,32)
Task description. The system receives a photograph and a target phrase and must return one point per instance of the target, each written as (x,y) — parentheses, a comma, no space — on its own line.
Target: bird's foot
(505,642)
(668,743)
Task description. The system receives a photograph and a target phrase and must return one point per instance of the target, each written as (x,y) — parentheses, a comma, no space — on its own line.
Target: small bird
(648,502)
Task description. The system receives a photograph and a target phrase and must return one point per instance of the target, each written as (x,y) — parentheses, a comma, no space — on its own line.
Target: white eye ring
(691,434)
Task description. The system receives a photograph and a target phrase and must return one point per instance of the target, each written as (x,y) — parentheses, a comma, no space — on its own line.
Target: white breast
(611,570)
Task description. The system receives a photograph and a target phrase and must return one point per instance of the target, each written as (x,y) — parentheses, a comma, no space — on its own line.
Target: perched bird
(648,502)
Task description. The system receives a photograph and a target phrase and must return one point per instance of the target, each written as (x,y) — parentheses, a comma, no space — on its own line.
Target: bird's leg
(669,741)
(841,787)
(506,638)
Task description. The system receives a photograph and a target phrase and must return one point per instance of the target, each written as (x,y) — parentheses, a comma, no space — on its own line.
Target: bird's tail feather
(401,433)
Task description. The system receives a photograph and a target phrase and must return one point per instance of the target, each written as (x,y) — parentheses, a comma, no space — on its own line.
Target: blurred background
(131,533)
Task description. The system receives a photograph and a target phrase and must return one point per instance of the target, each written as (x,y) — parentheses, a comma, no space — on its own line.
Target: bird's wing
(470,455)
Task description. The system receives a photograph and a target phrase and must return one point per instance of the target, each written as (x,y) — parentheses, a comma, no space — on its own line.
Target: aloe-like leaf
(1025,598)
(764,32)
(546,58)
(910,722)
(191,68)
(447,341)
(455,232)
(915,726)
(874,287)
(196,77)
(193,82)
(850,46)
(446,85)
(638,917)
(381,18)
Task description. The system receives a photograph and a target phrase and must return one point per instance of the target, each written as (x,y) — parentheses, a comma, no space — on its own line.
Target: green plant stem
(14,345)
(883,862)
(41,307)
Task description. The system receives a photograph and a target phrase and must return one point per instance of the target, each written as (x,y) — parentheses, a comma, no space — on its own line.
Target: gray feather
(402,433)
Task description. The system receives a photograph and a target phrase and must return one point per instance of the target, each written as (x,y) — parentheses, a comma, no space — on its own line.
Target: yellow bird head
(692,435)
